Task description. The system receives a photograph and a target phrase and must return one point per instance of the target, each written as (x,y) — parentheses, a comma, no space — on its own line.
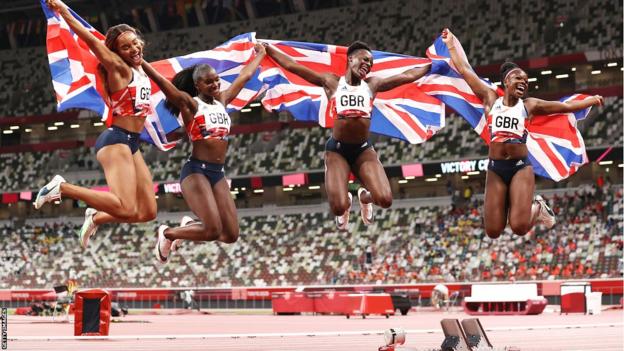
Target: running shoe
(342,222)
(88,227)
(163,245)
(366,209)
(545,216)
(186,220)
(50,192)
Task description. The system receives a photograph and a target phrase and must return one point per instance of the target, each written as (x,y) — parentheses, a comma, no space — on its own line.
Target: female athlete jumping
(131,198)
(195,95)
(349,149)
(510,182)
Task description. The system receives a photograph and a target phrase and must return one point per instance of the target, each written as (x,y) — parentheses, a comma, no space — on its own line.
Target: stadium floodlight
(546,72)
(246,110)
(258,191)
(98,124)
(596,71)
(560,76)
(532,80)
(314,187)
(7,131)
(402,181)
(14,127)
(611,64)
(28,130)
(431,179)
(59,123)
(465,177)
(74,126)
(52,128)
(254,104)
(604,163)
(473,173)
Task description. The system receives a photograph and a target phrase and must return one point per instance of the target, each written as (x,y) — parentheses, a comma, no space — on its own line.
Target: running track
(549,331)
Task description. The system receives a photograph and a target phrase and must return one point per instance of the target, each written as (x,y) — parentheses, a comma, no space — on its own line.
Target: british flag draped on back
(405,112)
(556,147)
(228,59)
(78,84)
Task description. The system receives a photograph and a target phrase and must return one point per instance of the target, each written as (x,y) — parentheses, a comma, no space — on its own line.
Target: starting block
(468,335)
(454,337)
(475,335)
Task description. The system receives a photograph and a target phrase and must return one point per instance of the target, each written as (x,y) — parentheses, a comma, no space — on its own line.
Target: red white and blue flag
(404,112)
(78,84)
(228,60)
(556,147)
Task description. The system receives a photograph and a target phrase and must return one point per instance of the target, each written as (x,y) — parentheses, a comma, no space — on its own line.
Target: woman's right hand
(267,47)
(57,6)
(447,38)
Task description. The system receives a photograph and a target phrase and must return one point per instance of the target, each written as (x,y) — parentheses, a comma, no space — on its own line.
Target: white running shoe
(342,222)
(88,227)
(163,245)
(186,220)
(545,216)
(50,192)
(366,210)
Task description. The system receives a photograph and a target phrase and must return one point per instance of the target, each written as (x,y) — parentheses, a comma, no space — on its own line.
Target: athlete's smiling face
(517,83)
(208,83)
(360,63)
(130,48)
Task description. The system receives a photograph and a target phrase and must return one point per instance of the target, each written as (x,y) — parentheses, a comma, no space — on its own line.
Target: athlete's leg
(336,182)
(227,211)
(200,198)
(145,197)
(120,173)
(495,205)
(521,189)
(373,176)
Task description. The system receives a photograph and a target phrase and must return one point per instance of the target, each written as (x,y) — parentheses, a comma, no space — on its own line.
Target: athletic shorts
(213,171)
(507,169)
(116,135)
(350,152)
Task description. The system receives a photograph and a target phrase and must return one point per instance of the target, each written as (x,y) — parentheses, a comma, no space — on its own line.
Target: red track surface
(551,332)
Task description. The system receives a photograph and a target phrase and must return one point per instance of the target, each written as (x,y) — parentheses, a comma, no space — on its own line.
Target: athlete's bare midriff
(210,150)
(351,130)
(505,151)
(130,123)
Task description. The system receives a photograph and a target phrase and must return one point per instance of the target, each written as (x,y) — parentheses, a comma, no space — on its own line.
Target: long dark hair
(185,81)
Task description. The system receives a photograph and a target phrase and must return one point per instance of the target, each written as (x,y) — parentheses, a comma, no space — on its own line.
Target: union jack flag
(78,84)
(404,112)
(556,147)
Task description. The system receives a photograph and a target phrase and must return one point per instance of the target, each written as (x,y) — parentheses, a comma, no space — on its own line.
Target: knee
(212,230)
(231,237)
(383,200)
(493,232)
(339,206)
(147,215)
(520,228)
(126,214)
